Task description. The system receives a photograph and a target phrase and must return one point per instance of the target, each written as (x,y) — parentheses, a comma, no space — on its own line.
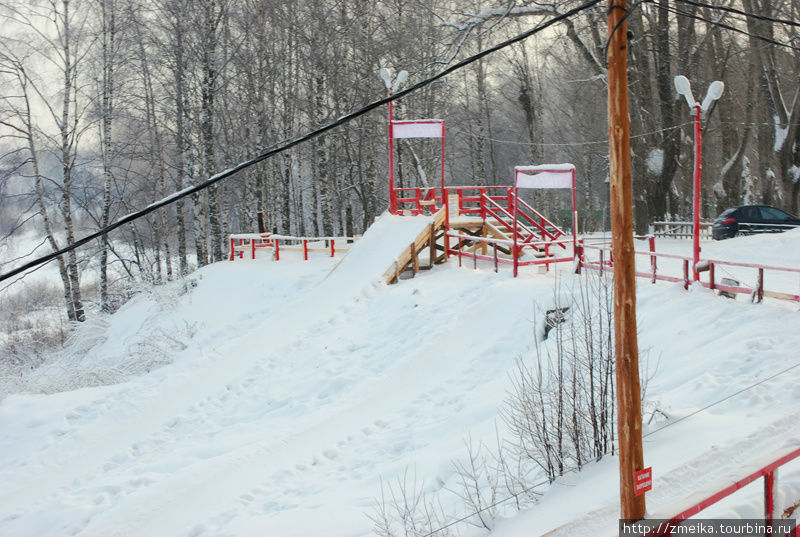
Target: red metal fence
(767,471)
(249,243)
(605,263)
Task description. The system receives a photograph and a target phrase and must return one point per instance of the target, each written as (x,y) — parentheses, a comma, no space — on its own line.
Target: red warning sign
(643,480)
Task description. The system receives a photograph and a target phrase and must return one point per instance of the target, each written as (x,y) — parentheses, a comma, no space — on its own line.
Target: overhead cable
(297,140)
(748,14)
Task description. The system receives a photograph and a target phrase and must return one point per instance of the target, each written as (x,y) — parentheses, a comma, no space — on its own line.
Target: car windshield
(727,212)
(771,213)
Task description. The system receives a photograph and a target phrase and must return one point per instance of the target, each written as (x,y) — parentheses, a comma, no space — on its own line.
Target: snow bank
(301,387)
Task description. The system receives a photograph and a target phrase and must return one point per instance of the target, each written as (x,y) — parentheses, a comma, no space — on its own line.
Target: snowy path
(313,397)
(304,384)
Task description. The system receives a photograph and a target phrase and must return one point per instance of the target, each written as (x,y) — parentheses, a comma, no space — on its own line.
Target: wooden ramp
(429,238)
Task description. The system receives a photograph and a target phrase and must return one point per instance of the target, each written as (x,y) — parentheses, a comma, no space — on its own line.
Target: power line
(298,140)
(725,26)
(762,381)
(741,12)
(756,124)
(566,144)
(375,104)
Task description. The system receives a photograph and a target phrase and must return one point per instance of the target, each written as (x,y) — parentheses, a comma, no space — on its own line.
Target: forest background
(109,105)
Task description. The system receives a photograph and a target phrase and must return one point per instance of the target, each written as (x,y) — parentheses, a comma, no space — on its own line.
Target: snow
(655,161)
(781,132)
(271,398)
(566,167)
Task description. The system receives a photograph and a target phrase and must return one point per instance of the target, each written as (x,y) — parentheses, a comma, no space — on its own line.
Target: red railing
(768,472)
(543,224)
(709,266)
(416,200)
(478,242)
(250,242)
(605,262)
(490,207)
(533,230)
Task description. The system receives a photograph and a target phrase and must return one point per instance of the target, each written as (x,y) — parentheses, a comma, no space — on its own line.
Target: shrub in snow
(85,360)
(561,409)
(560,414)
(405,509)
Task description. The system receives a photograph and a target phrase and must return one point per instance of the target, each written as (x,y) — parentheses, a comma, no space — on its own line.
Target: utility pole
(629,397)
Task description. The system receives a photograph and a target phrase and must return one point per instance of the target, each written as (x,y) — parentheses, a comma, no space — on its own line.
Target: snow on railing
(605,263)
(679,230)
(242,243)
(484,243)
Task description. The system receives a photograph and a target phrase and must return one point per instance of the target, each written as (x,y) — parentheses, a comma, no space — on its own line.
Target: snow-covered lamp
(401,78)
(387,79)
(684,87)
(714,92)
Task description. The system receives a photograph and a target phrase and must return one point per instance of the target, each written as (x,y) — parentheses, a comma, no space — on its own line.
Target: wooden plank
(782,296)
(409,256)
(432,246)
(497,233)
(477,224)
(440,247)
(439,218)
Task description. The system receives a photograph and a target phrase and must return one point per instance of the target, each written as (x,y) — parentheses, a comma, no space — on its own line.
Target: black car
(750,219)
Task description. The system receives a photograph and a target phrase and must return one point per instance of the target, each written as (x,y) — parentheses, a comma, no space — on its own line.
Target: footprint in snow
(196,531)
(760,344)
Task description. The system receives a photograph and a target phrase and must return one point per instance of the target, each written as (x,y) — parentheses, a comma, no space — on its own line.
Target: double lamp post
(698,111)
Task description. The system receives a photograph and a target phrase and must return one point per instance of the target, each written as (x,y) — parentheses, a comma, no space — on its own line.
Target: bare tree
(19,122)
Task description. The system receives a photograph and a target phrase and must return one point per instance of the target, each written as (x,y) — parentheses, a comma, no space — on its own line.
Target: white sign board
(426,128)
(559,176)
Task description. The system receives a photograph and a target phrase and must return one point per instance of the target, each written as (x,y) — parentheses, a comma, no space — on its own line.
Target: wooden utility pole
(629,415)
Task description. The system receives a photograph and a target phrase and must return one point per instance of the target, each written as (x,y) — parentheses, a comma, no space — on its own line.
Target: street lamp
(698,110)
(391,87)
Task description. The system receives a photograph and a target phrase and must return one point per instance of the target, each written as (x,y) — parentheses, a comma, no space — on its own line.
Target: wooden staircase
(479,229)
(429,238)
(533,231)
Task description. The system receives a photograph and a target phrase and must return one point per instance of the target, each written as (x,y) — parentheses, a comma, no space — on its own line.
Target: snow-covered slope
(294,387)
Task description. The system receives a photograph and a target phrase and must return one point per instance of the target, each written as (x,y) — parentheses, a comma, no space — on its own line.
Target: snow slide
(301,385)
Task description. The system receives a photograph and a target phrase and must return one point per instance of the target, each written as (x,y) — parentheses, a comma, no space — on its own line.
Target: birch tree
(19,125)
(57,36)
